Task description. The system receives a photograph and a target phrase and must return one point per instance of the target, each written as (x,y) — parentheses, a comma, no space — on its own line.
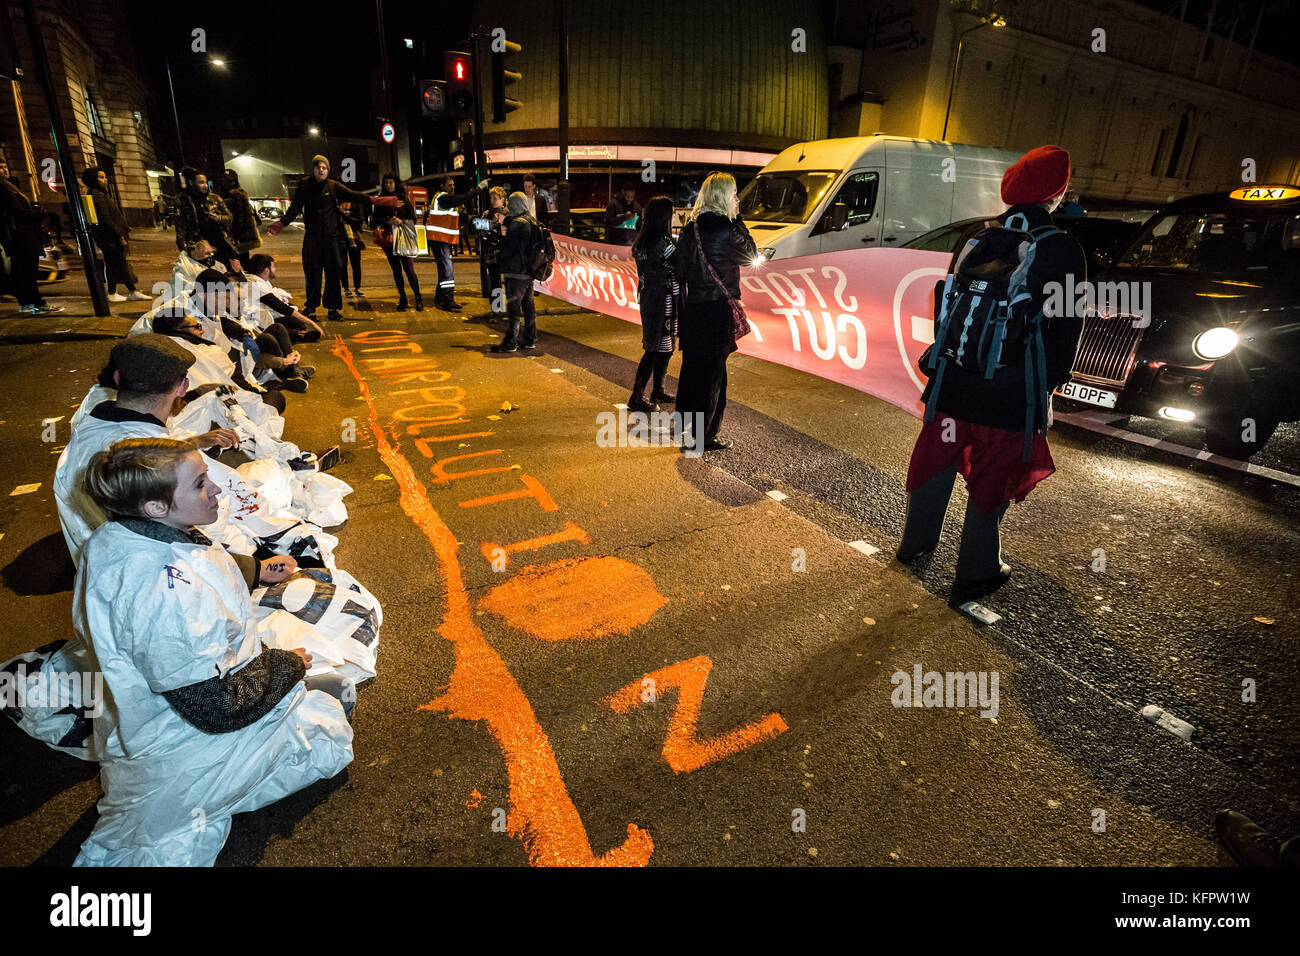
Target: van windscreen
(789,196)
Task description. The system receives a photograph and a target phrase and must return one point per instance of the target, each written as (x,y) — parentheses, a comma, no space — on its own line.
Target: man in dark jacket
(622,217)
(111,235)
(20,233)
(324,242)
(523,234)
(979,429)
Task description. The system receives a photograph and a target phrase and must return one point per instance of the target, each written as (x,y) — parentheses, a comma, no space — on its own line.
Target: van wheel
(1223,433)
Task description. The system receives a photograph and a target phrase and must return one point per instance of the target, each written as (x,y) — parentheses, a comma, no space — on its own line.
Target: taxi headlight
(1214,344)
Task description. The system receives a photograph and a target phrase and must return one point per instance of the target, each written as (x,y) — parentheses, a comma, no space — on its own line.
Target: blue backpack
(982,315)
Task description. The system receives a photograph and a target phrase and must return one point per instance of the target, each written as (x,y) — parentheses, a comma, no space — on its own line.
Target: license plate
(1088,393)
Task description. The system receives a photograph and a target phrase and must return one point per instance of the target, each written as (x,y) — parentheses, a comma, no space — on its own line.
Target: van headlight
(1215,343)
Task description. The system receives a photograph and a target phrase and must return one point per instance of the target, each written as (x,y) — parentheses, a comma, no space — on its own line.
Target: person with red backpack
(995,362)
(526,254)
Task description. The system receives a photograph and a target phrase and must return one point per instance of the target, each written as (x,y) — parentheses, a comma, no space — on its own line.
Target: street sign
(387,133)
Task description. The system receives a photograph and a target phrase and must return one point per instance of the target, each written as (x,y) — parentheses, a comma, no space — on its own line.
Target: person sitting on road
(196,325)
(198,716)
(266,304)
(190,263)
(150,375)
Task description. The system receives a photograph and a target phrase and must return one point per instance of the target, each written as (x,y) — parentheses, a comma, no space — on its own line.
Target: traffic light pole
(562,188)
(480,155)
(89,260)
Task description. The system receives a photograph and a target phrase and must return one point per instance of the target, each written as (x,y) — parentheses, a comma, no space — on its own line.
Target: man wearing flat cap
(150,374)
(324,241)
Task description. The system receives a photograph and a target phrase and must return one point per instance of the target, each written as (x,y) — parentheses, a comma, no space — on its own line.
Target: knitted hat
(149,363)
(1038,176)
(318,158)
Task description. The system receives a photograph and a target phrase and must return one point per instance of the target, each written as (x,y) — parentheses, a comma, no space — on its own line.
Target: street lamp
(171,88)
(313,130)
(993,19)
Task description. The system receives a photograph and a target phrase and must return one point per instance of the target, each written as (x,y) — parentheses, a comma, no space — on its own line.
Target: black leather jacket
(727,246)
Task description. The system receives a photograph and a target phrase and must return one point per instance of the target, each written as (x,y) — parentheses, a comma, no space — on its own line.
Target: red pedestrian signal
(460,85)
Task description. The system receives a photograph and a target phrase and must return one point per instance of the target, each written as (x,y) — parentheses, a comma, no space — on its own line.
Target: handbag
(404,241)
(739,321)
(383,237)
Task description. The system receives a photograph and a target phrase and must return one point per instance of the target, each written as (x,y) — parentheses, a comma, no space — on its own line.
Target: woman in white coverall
(199,722)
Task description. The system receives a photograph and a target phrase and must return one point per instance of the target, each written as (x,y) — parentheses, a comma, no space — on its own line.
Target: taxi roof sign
(1264,193)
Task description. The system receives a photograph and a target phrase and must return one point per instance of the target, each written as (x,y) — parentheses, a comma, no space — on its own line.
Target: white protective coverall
(160,616)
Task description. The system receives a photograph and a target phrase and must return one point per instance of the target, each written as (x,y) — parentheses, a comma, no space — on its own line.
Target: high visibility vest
(443,225)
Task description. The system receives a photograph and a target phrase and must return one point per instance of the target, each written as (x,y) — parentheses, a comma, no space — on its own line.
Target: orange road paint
(541,814)
(683,751)
(532,489)
(475,798)
(441,476)
(571,532)
(578,599)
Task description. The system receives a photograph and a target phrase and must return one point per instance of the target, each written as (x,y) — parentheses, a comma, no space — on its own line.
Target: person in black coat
(523,235)
(20,233)
(706,332)
(387,219)
(979,428)
(659,294)
(324,241)
(112,235)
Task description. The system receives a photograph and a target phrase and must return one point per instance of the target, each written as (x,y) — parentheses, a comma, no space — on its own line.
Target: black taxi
(1198,319)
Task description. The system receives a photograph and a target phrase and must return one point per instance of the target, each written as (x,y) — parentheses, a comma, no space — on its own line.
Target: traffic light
(460,85)
(433,98)
(501,78)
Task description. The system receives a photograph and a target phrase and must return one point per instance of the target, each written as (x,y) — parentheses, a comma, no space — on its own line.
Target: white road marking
(777,495)
(867,549)
(980,612)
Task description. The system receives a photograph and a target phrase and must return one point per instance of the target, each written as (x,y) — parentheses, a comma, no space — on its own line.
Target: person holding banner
(712,247)
(659,293)
(980,428)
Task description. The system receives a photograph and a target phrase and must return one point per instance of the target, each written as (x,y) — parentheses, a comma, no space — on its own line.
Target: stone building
(102,98)
(692,86)
(1149,108)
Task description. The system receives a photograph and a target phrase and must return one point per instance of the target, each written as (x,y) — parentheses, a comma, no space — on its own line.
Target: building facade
(691,86)
(270,168)
(102,98)
(1150,109)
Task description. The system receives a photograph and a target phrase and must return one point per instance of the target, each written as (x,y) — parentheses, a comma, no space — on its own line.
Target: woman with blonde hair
(199,722)
(712,247)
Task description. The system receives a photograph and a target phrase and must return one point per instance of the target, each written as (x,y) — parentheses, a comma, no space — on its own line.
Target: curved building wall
(670,72)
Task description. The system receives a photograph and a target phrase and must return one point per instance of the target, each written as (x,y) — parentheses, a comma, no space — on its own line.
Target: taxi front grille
(1107,350)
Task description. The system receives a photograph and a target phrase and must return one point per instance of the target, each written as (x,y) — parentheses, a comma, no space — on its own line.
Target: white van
(868,192)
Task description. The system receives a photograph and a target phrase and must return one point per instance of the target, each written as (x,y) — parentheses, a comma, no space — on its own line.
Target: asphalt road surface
(594,652)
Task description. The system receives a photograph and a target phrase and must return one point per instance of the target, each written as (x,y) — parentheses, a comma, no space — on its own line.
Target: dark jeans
(519,298)
(652,363)
(493,283)
(446,275)
(980,554)
(276,341)
(116,268)
(23,284)
(354,257)
(705,338)
(322,253)
(403,265)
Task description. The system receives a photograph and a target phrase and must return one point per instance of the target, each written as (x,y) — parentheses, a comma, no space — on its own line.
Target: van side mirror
(837,217)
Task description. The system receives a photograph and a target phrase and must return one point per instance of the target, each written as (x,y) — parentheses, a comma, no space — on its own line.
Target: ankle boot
(419,303)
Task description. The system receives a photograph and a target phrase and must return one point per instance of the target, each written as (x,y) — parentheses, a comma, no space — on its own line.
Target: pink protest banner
(861,318)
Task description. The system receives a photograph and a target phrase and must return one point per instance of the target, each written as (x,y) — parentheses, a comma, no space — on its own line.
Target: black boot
(419,302)
(401,303)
